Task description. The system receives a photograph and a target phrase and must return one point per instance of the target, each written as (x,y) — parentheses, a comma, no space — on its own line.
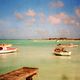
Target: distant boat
(67,45)
(58,40)
(7,49)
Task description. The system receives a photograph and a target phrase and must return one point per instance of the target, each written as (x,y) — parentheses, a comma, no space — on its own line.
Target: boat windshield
(1,48)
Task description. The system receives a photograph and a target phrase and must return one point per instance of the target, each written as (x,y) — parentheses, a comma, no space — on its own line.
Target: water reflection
(7,54)
(4,57)
(64,77)
(62,57)
(77,78)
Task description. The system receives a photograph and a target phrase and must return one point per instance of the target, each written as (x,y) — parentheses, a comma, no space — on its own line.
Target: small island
(63,38)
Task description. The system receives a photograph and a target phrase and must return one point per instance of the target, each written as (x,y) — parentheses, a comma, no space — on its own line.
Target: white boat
(7,49)
(62,53)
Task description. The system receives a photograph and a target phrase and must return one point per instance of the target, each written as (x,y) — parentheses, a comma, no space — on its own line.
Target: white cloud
(71,21)
(54,20)
(19,16)
(57,4)
(31,13)
(77,11)
(30,21)
(42,32)
(42,17)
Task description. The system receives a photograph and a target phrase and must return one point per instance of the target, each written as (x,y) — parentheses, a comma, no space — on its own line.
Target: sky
(39,19)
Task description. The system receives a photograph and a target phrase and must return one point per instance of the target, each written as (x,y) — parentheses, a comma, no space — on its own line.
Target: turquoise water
(38,53)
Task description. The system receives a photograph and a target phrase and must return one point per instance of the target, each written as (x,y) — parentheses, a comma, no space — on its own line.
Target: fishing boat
(4,49)
(61,52)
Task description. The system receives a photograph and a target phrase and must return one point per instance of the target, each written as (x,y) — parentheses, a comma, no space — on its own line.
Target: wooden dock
(24,72)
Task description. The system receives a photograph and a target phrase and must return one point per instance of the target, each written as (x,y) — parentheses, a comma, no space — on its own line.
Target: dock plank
(24,72)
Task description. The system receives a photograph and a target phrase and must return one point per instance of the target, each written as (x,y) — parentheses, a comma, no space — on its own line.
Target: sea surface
(39,54)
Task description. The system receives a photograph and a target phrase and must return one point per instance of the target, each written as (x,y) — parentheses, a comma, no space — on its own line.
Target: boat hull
(62,53)
(8,50)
